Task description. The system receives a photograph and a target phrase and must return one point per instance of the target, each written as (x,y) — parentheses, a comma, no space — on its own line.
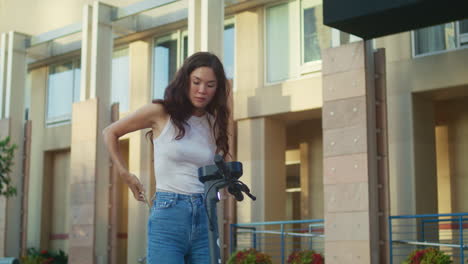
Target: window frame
(311,66)
(231,21)
(298,68)
(294,55)
(63,119)
(172,35)
(458,42)
(116,49)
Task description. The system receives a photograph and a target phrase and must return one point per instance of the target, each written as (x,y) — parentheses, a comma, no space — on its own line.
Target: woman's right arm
(148,116)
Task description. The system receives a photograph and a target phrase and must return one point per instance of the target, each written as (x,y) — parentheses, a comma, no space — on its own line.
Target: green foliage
(428,256)
(305,257)
(6,161)
(249,256)
(44,257)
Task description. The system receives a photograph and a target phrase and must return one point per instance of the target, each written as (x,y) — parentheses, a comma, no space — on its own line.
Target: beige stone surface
(345,169)
(344,113)
(81,235)
(343,58)
(80,214)
(344,141)
(344,85)
(81,255)
(347,226)
(346,197)
(349,252)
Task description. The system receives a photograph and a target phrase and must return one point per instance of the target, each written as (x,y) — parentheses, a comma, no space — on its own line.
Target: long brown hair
(177,103)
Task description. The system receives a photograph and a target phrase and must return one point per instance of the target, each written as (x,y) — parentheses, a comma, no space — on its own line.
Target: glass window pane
(464,26)
(315,36)
(228,55)
(311,39)
(185,51)
(277,31)
(77,82)
(120,79)
(435,38)
(165,66)
(60,92)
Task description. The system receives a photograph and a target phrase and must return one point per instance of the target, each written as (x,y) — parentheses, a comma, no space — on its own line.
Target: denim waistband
(178,196)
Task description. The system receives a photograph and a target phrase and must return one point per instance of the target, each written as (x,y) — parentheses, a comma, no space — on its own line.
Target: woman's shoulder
(157,111)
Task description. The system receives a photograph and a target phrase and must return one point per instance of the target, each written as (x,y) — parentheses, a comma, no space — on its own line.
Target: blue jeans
(178,230)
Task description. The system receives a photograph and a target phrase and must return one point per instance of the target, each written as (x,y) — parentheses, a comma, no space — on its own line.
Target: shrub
(44,257)
(428,256)
(6,161)
(305,257)
(249,256)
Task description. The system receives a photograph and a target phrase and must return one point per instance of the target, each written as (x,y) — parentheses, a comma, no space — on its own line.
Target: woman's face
(203,86)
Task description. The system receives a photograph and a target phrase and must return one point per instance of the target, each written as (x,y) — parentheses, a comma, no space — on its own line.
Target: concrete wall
(253,97)
(309,132)
(452,115)
(434,74)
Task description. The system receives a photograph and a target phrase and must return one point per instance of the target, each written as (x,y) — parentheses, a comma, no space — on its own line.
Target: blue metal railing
(443,231)
(280,238)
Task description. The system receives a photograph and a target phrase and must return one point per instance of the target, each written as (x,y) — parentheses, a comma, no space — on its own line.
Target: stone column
(140,162)
(261,149)
(350,157)
(14,83)
(90,165)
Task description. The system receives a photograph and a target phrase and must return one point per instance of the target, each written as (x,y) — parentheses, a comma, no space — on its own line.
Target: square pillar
(140,159)
(206,26)
(13,82)
(261,149)
(90,165)
(350,155)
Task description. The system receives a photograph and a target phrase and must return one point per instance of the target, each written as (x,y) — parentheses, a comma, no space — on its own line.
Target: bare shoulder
(159,116)
(156,110)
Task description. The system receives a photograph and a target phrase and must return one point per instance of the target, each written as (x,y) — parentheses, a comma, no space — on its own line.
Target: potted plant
(428,256)
(249,256)
(305,257)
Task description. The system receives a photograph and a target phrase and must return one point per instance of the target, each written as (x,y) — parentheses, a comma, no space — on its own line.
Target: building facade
(64,63)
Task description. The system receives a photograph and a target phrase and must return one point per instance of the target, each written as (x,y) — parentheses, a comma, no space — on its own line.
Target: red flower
(43,252)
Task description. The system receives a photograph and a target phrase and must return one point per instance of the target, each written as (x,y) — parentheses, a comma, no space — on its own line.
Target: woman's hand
(135,186)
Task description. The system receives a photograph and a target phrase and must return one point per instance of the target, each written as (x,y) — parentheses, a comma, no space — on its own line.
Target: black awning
(375,18)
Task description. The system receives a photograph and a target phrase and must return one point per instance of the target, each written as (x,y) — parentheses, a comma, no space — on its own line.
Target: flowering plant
(249,256)
(428,256)
(44,257)
(305,257)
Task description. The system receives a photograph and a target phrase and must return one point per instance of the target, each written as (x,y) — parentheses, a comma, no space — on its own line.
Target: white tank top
(176,162)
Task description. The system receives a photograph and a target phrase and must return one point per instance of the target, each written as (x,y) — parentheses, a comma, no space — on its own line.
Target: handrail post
(282,244)
(310,238)
(255,238)
(232,239)
(423,235)
(460,226)
(390,237)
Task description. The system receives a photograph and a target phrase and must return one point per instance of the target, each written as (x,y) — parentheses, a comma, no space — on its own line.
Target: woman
(187,128)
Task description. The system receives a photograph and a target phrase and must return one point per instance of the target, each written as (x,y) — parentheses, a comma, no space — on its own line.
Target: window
(169,53)
(295,36)
(120,79)
(440,38)
(228,56)
(277,43)
(63,88)
(310,39)
(463,29)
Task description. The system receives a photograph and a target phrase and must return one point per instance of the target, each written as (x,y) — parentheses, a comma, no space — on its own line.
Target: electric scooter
(215,177)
